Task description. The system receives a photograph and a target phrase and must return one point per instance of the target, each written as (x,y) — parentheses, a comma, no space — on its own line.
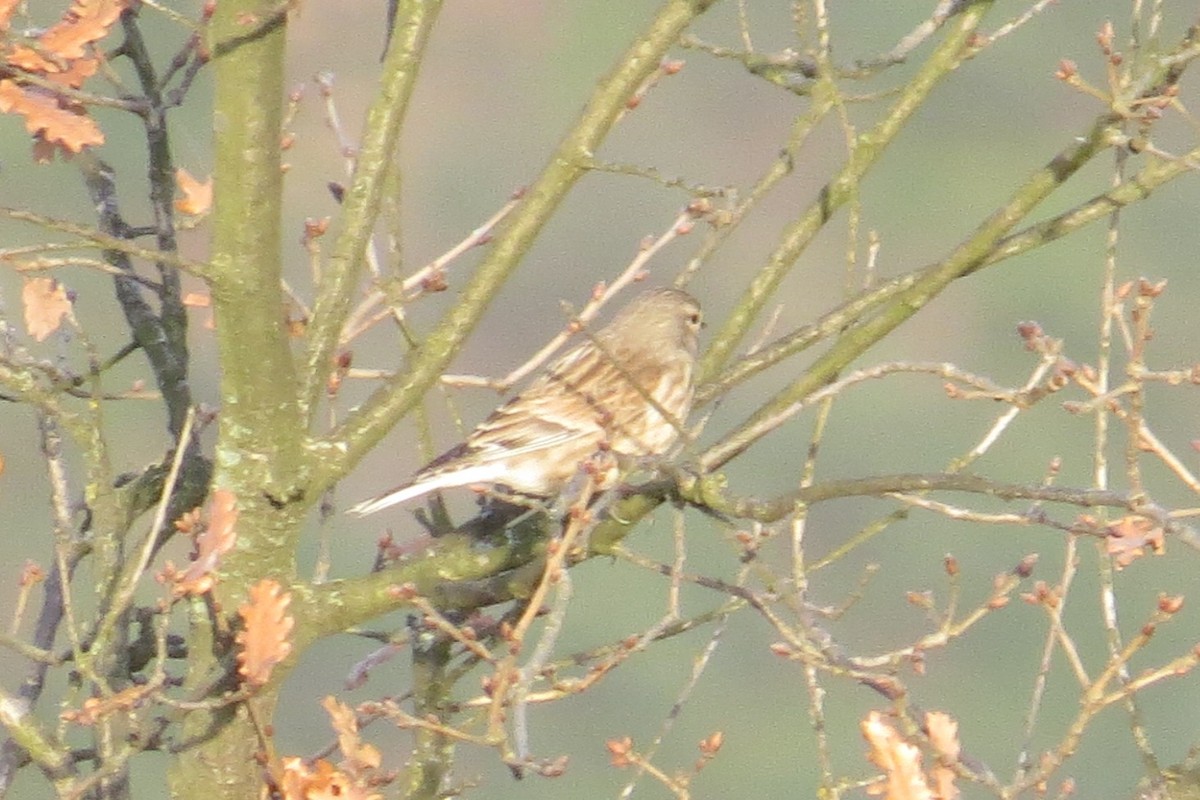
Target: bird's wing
(527,424)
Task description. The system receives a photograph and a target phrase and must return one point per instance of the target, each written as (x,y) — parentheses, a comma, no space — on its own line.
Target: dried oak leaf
(321,781)
(62,55)
(47,120)
(1129,537)
(944,782)
(266,627)
(46,304)
(96,708)
(214,540)
(7,7)
(70,73)
(85,22)
(75,73)
(943,735)
(358,754)
(900,761)
(197,194)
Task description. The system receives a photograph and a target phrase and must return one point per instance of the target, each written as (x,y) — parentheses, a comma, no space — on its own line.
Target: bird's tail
(424,484)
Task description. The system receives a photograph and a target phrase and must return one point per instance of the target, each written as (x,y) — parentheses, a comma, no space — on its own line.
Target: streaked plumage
(597,393)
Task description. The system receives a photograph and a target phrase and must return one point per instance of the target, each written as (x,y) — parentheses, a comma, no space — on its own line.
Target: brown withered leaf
(71,74)
(945,782)
(266,628)
(85,22)
(214,540)
(900,761)
(321,781)
(197,194)
(47,121)
(96,708)
(63,54)
(46,305)
(1129,537)
(76,72)
(7,7)
(358,754)
(943,735)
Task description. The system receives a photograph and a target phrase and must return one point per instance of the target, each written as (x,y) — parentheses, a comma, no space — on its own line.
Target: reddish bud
(1066,70)
(1148,289)
(710,744)
(314,228)
(920,599)
(406,591)
(1170,604)
(619,750)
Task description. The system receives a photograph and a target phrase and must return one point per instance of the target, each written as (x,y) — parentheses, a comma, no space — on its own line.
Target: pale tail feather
(480,473)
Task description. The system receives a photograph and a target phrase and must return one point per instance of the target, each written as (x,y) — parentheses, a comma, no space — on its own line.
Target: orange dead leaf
(1129,536)
(943,735)
(358,753)
(265,631)
(944,779)
(213,541)
(899,760)
(87,21)
(321,781)
(7,7)
(47,120)
(62,55)
(189,522)
(197,194)
(78,72)
(96,708)
(46,304)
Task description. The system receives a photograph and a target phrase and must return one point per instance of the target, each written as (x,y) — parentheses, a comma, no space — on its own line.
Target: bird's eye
(694,318)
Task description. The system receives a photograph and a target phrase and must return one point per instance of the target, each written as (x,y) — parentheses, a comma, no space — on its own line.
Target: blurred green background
(501,83)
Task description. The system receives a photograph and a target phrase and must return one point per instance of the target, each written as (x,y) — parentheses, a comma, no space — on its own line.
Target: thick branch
(362,203)
(709,492)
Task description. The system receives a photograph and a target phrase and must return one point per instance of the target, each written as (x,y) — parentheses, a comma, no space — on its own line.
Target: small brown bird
(629,387)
